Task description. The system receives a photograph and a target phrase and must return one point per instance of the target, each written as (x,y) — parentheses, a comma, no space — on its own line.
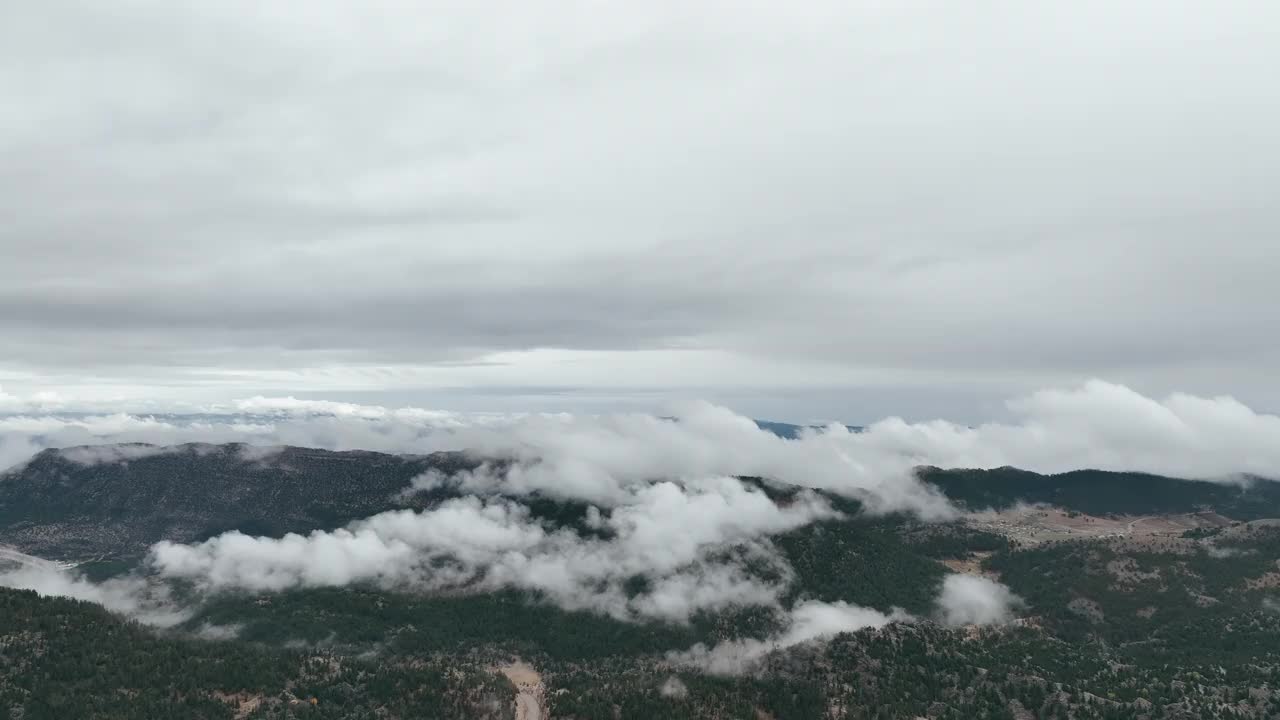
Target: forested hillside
(118,500)
(1100,493)
(1177,620)
(63,658)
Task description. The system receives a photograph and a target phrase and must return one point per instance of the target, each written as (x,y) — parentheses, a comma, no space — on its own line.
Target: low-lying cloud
(808,621)
(673,688)
(975,600)
(691,543)
(964,600)
(133,596)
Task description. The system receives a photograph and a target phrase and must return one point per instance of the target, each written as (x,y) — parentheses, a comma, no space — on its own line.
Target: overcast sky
(804,210)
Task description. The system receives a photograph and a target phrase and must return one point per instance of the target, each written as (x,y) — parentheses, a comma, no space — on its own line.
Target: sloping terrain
(77,503)
(1098,492)
(63,659)
(81,503)
(1171,609)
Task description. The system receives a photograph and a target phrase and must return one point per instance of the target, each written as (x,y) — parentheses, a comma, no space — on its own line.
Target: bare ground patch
(531,693)
(1036,524)
(971,565)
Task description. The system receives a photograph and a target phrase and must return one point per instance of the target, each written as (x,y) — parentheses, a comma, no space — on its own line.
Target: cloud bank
(691,543)
(598,457)
(668,530)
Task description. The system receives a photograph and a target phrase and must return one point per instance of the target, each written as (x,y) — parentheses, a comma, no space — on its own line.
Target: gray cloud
(913,194)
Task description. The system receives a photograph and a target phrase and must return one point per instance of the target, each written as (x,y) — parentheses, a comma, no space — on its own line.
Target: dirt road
(530,692)
(527,707)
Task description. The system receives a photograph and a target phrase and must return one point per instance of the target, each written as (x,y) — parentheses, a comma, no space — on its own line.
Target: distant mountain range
(119,499)
(1098,492)
(791,432)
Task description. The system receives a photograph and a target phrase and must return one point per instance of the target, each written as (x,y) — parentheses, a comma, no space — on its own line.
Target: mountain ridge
(120,499)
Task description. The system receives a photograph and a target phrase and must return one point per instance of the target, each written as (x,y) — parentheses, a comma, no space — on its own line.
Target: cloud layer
(485,194)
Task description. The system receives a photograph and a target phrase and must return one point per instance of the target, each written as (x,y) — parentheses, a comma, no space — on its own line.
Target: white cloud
(45,401)
(1103,426)
(208,631)
(293,407)
(665,532)
(598,458)
(673,688)
(400,430)
(259,405)
(963,600)
(601,459)
(104,454)
(1222,553)
(662,486)
(975,600)
(16,450)
(808,621)
(9,403)
(135,597)
(661,493)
